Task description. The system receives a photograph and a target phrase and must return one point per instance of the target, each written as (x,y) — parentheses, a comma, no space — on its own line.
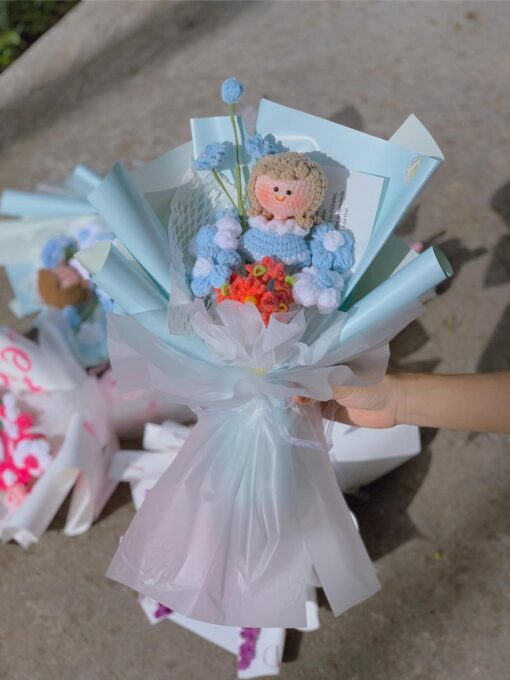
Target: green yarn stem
(239,189)
(220,182)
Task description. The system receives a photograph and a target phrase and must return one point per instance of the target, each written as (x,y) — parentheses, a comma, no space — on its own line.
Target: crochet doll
(286,191)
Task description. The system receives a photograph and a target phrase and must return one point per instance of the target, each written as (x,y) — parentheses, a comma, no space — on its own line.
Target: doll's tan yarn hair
(290,166)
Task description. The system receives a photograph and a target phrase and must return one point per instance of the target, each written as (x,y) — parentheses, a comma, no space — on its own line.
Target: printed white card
(351,202)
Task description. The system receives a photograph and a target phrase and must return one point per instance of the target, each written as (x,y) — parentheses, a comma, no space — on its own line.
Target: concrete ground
(120,80)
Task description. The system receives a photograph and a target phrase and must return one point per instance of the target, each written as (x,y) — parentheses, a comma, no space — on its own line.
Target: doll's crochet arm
(479,402)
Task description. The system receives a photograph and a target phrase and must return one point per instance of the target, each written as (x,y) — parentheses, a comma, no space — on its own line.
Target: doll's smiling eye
(288,192)
(275,189)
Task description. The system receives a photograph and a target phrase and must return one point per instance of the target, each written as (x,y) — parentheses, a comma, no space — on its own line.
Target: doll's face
(283,198)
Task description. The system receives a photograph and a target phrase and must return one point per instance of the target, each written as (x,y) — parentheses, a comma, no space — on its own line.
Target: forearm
(479,403)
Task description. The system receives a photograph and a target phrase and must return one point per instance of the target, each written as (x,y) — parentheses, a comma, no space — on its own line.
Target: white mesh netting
(192,206)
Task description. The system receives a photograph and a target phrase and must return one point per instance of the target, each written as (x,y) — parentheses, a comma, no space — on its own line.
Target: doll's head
(287,185)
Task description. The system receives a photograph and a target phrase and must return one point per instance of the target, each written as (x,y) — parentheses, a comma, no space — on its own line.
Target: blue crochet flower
(214,264)
(231,91)
(326,278)
(228,258)
(71,315)
(211,157)
(258,146)
(332,248)
(57,249)
(217,276)
(204,240)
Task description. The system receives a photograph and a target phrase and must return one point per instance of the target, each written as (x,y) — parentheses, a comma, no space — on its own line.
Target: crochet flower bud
(203,266)
(229,223)
(231,90)
(225,240)
(328,300)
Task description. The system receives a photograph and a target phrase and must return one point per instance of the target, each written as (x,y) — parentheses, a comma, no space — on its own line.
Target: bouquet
(56,436)
(237,295)
(38,253)
(58,433)
(37,217)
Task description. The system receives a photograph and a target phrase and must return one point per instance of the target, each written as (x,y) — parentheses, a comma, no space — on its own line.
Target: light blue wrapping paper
(31,204)
(134,292)
(67,200)
(250,509)
(408,284)
(83,180)
(149,239)
(23,283)
(219,129)
(359,151)
(126,282)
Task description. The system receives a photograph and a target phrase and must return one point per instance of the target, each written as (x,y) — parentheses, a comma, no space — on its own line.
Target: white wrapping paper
(72,409)
(359,456)
(82,416)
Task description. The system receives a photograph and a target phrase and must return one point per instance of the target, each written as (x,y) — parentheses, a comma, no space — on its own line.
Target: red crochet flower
(266,285)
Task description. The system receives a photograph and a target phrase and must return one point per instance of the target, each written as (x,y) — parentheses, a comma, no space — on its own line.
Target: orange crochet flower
(266,285)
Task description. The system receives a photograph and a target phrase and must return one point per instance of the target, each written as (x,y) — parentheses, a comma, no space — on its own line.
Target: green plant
(23,21)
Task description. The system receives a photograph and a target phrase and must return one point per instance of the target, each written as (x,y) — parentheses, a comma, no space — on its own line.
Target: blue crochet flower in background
(231,91)
(258,146)
(57,249)
(93,233)
(332,248)
(211,157)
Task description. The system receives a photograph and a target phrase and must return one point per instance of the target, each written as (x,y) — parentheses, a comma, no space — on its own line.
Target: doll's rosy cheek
(264,191)
(301,195)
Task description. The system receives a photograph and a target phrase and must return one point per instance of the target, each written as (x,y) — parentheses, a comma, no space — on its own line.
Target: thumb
(347,395)
(354,396)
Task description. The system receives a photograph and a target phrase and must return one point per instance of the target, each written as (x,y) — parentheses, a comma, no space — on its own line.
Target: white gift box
(361,455)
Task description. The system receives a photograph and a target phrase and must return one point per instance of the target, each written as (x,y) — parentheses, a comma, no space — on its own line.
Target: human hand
(476,402)
(373,406)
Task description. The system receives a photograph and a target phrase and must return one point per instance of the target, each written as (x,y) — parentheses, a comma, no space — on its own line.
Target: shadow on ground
(381,507)
(496,355)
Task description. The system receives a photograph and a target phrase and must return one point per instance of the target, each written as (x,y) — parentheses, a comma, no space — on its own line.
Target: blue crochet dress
(283,241)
